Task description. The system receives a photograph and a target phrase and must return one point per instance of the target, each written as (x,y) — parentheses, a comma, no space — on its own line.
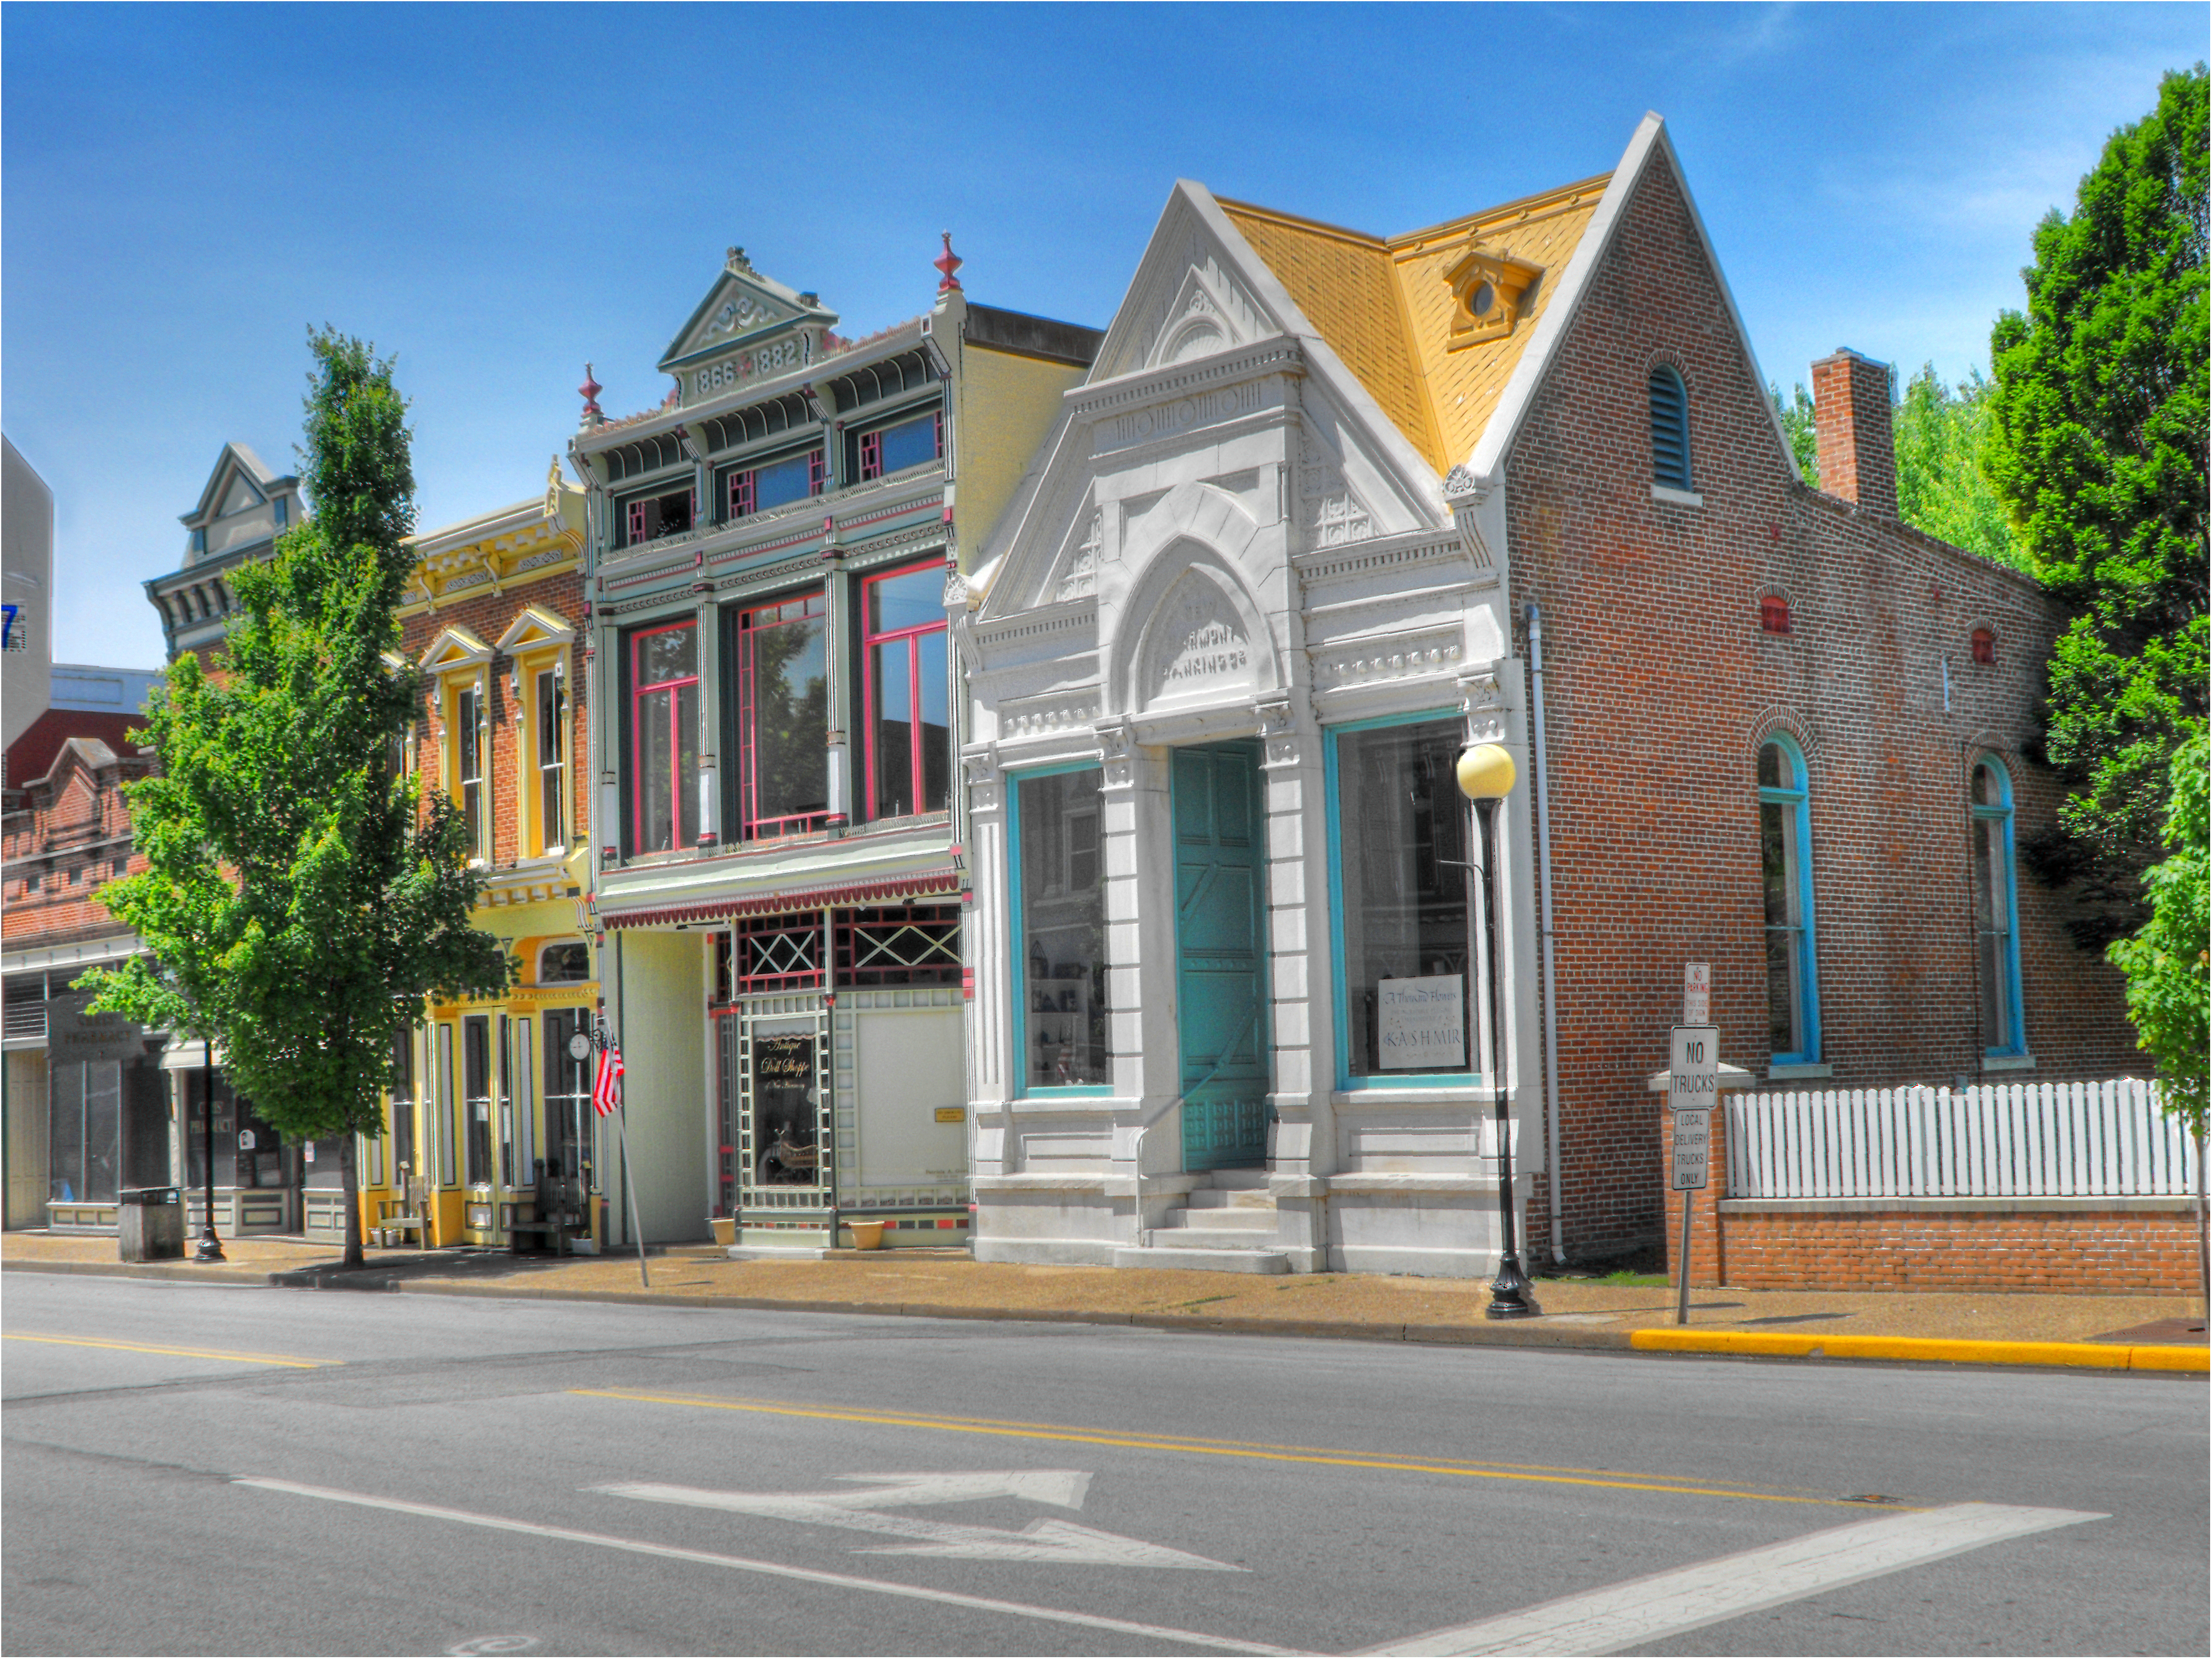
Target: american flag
(606,1090)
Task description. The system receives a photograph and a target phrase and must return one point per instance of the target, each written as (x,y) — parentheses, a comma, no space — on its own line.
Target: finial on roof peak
(948,262)
(734,259)
(590,392)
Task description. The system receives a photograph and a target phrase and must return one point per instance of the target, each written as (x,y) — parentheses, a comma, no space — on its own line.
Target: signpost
(1693,1090)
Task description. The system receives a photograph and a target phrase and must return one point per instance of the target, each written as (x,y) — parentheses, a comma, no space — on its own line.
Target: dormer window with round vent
(1488,293)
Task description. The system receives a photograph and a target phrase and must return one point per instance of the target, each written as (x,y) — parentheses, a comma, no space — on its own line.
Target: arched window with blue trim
(1670,430)
(1785,838)
(1996,937)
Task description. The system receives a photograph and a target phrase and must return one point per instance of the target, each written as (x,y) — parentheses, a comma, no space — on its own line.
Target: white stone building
(1223,650)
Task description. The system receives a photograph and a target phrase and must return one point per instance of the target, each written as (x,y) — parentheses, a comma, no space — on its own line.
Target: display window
(1402,904)
(1058,877)
(786,1094)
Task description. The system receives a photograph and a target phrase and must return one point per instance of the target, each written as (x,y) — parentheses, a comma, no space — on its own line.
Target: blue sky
(498,194)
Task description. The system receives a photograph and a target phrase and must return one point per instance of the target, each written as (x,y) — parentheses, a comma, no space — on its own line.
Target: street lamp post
(209,1248)
(1486,777)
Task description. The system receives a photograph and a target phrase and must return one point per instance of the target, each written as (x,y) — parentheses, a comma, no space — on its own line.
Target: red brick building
(1684,631)
(1330,507)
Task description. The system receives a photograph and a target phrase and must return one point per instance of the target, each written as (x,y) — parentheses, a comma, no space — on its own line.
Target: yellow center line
(189,1354)
(1260,1453)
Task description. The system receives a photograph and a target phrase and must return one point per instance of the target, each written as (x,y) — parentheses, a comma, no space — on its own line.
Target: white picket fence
(1999,1141)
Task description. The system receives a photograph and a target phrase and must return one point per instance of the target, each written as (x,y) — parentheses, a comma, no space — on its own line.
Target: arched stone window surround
(1976,627)
(1196,528)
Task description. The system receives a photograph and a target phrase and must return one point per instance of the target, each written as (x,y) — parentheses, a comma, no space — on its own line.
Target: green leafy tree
(1941,434)
(2097,445)
(1796,418)
(2165,961)
(301,899)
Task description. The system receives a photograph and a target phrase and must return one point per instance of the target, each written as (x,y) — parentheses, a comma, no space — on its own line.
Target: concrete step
(1238,1181)
(1206,1261)
(1213,1239)
(1253,1220)
(1235,1198)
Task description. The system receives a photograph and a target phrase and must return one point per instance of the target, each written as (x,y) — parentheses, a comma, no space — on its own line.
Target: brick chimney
(1850,417)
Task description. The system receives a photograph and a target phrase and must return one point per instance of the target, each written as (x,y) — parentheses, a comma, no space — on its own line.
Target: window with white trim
(550,740)
(471,731)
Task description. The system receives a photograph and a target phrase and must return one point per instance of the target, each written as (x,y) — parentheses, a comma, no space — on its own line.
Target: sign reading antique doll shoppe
(1420,1024)
(786,1152)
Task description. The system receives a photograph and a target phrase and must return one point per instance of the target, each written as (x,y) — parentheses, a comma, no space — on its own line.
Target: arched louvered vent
(1670,430)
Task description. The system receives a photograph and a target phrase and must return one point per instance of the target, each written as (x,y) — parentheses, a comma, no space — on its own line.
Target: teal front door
(1221,956)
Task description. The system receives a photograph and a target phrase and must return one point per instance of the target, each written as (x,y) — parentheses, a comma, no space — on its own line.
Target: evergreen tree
(301,899)
(2097,444)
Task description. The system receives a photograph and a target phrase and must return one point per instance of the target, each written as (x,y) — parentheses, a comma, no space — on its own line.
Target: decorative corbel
(980,770)
(1465,495)
(1117,748)
(1482,701)
(1278,715)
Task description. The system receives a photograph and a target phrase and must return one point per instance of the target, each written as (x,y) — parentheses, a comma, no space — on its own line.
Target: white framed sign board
(1693,1143)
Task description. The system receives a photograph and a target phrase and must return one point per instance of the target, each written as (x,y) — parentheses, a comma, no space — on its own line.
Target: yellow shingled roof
(1384,305)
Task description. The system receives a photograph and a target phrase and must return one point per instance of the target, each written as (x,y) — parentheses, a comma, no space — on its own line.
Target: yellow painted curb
(2105,1355)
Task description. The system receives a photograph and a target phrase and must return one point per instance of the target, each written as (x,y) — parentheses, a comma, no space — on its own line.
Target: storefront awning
(889,889)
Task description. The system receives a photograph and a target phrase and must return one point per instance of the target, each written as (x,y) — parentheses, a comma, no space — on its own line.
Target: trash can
(149,1224)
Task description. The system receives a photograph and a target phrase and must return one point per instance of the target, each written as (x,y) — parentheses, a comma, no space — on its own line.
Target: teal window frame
(1795,798)
(1024,1090)
(1340,996)
(1999,814)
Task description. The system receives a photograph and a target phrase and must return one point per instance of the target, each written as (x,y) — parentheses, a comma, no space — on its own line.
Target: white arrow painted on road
(1043,1541)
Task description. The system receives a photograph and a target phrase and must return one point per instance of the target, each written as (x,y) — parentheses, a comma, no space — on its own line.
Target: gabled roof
(1389,308)
(1383,303)
(235,461)
(32,756)
(742,305)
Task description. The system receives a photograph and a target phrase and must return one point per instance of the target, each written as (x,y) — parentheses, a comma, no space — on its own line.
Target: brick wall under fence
(2076,1188)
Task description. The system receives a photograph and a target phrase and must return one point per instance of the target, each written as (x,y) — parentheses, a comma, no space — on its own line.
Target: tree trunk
(351,1185)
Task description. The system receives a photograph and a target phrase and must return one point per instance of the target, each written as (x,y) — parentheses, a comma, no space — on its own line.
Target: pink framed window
(648,518)
(902,654)
(903,444)
(783,717)
(663,735)
(757,489)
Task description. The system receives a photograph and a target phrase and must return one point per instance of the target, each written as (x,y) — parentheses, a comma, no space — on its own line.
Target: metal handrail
(1137,1147)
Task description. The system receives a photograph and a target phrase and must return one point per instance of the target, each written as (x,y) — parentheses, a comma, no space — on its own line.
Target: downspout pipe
(1544,929)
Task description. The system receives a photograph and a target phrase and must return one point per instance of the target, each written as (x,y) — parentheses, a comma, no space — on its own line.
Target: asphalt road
(193,1469)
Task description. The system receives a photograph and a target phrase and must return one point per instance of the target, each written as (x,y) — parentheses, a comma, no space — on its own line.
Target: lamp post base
(209,1248)
(1512,1295)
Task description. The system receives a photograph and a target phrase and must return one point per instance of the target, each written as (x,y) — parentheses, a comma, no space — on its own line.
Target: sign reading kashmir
(1420,1024)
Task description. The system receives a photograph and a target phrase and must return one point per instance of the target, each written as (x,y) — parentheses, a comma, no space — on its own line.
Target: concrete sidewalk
(2108,1332)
